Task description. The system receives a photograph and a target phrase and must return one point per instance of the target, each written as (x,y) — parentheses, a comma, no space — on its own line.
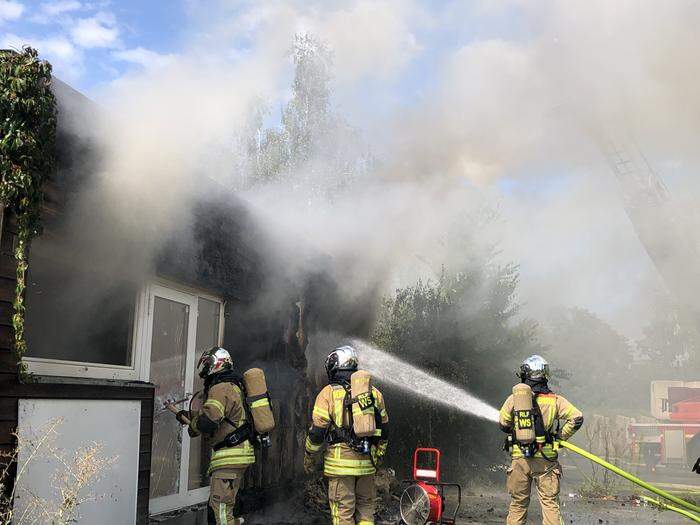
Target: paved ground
(491,509)
(488,505)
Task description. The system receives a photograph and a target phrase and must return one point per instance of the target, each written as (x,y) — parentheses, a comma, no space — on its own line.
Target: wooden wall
(11,390)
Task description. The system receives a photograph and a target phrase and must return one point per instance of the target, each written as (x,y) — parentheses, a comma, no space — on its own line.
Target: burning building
(113,334)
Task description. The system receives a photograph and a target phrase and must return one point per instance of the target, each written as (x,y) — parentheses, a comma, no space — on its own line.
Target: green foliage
(671,341)
(588,349)
(462,328)
(27,136)
(313,151)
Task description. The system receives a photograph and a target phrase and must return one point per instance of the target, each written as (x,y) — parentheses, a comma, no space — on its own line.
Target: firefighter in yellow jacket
(349,462)
(537,461)
(224,423)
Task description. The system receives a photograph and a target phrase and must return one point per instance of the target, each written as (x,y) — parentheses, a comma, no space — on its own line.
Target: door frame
(189,297)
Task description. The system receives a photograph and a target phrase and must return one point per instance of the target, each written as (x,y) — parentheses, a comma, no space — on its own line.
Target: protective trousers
(352,499)
(223,490)
(546,475)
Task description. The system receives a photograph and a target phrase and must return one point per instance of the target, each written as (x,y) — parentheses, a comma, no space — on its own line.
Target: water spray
(391,370)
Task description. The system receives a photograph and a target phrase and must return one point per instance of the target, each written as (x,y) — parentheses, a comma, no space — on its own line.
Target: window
(80,317)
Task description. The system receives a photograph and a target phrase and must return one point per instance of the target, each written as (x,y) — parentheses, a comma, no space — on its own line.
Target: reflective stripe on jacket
(340,459)
(225,400)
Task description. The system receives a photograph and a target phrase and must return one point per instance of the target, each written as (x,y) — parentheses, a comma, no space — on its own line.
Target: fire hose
(665,506)
(641,483)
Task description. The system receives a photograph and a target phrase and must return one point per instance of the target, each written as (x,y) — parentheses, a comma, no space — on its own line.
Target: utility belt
(337,435)
(236,437)
(529,450)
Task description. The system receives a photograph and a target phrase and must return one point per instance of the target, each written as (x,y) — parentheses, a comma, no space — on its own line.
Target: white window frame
(64,368)
(189,296)
(138,369)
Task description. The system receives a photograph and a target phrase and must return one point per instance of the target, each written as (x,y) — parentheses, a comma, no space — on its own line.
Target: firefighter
(224,423)
(350,463)
(538,461)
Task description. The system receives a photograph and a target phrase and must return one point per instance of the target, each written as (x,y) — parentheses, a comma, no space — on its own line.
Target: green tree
(671,341)
(463,328)
(595,358)
(314,151)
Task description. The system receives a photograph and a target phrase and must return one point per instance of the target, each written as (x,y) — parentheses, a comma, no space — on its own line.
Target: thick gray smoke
(508,117)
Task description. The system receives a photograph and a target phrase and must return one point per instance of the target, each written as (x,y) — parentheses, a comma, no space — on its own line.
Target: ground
(488,505)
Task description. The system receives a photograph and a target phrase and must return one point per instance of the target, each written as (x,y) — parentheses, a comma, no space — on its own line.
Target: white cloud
(60,7)
(10,10)
(48,12)
(67,60)
(143,57)
(98,31)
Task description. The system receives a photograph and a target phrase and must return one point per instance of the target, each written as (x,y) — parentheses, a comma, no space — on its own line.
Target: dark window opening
(74,312)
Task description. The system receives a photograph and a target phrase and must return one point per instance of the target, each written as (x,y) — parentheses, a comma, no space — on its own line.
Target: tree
(463,328)
(670,345)
(314,151)
(591,352)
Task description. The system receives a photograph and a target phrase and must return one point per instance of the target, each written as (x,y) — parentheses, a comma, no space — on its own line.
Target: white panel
(674,445)
(113,424)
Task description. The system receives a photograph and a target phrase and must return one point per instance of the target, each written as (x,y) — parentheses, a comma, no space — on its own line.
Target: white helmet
(342,358)
(214,360)
(535,368)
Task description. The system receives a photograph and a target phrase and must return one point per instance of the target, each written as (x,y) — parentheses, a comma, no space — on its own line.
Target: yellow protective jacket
(224,400)
(340,459)
(553,408)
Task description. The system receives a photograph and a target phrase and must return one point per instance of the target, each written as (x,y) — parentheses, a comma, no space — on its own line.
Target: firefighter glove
(378,453)
(309,463)
(182,417)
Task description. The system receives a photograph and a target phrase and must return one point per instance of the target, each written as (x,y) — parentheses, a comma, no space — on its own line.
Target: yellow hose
(629,477)
(666,506)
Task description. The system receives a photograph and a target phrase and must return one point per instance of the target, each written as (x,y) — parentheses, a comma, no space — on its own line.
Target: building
(112,335)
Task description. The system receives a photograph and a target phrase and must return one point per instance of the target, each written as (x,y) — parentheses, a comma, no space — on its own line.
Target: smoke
(505,112)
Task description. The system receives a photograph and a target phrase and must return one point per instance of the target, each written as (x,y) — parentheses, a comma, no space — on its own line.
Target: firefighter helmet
(342,358)
(214,360)
(535,368)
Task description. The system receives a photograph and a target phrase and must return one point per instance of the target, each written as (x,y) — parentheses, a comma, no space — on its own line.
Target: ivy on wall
(27,138)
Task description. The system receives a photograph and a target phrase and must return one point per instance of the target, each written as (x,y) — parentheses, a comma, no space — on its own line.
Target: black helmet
(342,358)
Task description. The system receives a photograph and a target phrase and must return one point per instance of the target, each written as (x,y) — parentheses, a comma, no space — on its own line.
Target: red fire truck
(672,435)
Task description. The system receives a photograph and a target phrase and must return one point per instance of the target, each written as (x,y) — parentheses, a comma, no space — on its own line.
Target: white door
(179,326)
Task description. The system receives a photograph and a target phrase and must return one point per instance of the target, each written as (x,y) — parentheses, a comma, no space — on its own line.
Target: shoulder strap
(540,430)
(244,405)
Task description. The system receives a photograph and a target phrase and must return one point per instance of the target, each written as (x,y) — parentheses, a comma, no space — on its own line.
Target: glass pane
(207,336)
(168,359)
(74,312)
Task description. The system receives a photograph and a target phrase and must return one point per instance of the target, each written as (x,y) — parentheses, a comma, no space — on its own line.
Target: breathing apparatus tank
(258,400)
(364,421)
(524,417)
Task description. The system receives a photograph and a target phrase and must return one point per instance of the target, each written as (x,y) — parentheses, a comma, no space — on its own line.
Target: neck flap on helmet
(340,377)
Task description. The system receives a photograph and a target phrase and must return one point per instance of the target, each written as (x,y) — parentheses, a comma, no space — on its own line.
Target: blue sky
(93,42)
